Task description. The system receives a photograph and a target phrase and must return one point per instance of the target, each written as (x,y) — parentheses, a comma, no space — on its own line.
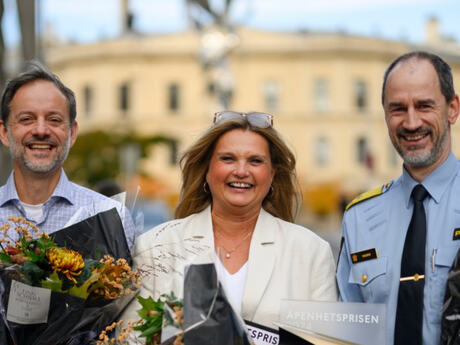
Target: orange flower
(67,261)
(116,278)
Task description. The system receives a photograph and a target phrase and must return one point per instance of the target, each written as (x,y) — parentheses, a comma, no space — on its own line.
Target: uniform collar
(62,190)
(436,183)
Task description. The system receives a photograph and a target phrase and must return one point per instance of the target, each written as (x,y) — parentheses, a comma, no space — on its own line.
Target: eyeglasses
(261,120)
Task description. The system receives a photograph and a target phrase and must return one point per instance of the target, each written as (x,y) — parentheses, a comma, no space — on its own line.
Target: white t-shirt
(233,283)
(33,212)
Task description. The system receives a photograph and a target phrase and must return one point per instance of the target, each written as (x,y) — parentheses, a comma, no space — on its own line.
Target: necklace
(228,253)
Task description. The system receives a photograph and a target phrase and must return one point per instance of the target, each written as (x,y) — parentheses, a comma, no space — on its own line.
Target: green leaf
(87,287)
(149,303)
(66,283)
(83,276)
(153,322)
(86,272)
(46,243)
(143,313)
(32,273)
(151,331)
(33,256)
(52,282)
(98,254)
(91,263)
(5,258)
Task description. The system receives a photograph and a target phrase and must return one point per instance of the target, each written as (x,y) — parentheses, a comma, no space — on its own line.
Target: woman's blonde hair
(283,199)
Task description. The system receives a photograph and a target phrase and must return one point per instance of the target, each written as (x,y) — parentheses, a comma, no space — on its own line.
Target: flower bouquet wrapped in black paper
(203,317)
(101,234)
(65,287)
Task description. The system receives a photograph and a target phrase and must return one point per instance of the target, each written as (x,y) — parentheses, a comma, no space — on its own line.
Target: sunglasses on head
(261,120)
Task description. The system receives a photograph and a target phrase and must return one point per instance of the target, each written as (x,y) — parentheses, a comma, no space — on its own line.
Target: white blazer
(286,261)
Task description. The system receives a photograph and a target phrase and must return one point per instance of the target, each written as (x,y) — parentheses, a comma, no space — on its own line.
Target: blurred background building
(143,99)
(323,89)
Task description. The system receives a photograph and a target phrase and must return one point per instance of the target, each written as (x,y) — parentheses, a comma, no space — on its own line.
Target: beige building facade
(324,90)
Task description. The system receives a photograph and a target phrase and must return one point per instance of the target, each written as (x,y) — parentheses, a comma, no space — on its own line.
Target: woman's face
(240,172)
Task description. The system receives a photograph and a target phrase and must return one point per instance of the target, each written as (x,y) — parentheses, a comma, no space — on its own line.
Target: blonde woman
(239,197)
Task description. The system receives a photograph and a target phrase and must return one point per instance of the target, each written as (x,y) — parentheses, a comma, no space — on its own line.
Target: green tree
(95,155)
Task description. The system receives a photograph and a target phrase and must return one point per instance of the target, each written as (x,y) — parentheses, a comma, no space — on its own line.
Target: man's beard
(416,159)
(18,153)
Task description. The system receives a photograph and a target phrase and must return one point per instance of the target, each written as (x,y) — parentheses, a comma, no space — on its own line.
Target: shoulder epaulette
(368,195)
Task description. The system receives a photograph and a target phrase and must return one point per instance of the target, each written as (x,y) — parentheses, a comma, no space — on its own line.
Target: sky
(91,20)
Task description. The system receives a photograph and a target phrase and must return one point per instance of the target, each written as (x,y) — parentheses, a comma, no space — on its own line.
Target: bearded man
(400,240)
(38,126)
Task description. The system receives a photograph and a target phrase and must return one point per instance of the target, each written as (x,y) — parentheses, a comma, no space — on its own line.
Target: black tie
(409,314)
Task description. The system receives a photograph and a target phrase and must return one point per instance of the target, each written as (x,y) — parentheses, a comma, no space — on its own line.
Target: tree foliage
(95,155)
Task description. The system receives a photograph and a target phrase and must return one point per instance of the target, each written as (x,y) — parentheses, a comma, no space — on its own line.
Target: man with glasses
(399,240)
(38,126)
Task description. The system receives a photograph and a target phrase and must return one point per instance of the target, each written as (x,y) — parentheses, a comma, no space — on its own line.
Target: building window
(322,151)
(124,95)
(362,150)
(211,89)
(321,95)
(174,153)
(87,100)
(173,97)
(270,91)
(360,95)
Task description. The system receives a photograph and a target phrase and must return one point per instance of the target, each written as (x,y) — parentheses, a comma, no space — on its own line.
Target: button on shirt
(69,204)
(381,223)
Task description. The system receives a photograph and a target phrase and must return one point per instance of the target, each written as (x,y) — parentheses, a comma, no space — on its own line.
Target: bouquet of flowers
(157,317)
(203,317)
(101,233)
(52,294)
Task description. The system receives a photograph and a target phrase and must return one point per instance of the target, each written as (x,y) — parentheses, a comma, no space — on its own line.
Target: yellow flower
(67,261)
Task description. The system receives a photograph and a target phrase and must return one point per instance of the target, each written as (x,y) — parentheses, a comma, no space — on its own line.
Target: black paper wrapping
(450,321)
(204,296)
(72,320)
(287,338)
(96,235)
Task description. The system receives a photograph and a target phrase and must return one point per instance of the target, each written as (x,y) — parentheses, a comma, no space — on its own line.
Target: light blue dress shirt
(381,222)
(69,204)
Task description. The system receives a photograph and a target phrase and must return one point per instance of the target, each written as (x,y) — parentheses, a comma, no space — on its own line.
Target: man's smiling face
(417,114)
(38,132)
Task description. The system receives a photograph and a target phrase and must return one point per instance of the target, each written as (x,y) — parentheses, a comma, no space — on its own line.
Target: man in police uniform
(420,105)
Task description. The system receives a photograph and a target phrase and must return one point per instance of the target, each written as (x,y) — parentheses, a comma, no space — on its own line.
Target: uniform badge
(456,235)
(364,255)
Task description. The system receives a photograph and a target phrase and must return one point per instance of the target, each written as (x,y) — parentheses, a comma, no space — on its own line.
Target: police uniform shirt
(374,231)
